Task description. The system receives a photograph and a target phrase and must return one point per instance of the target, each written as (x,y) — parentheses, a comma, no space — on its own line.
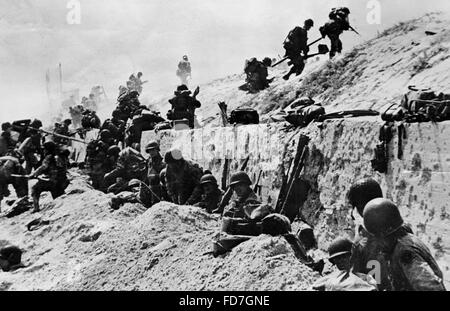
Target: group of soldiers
(297,49)
(31,157)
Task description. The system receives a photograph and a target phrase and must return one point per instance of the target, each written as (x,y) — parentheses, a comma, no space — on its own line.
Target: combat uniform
(211,201)
(183,182)
(154,167)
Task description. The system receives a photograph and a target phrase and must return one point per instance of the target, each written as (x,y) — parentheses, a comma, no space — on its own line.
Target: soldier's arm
(45,165)
(419,274)
(196,174)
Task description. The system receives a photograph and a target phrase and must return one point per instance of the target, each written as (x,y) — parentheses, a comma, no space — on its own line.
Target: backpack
(251,65)
(305,115)
(339,13)
(381,152)
(244,116)
(424,105)
(395,112)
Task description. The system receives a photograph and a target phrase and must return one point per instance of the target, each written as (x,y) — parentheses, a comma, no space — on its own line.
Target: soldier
(30,139)
(183,105)
(257,74)
(139,82)
(182,179)
(184,70)
(130,165)
(295,44)
(340,253)
(411,265)
(7,143)
(155,164)
(90,120)
(211,195)
(54,167)
(112,156)
(96,153)
(10,165)
(335,27)
(91,103)
(76,113)
(162,181)
(116,126)
(62,129)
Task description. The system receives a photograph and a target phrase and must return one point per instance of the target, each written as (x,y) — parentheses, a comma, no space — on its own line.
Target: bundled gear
(244,116)
(425,105)
(381,160)
(305,114)
(256,75)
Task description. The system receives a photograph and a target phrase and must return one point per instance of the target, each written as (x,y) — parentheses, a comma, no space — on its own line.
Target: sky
(118,37)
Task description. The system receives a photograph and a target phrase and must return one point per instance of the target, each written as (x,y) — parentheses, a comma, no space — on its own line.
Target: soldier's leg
(36,191)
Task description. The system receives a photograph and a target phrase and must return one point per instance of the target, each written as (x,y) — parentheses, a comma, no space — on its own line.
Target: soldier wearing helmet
(335,27)
(411,265)
(244,199)
(155,165)
(183,105)
(130,165)
(211,195)
(54,172)
(184,70)
(182,178)
(7,144)
(344,279)
(257,73)
(116,126)
(296,46)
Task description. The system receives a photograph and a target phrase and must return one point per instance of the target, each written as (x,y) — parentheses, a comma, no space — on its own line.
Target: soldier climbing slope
(335,27)
(411,265)
(182,179)
(296,46)
(183,105)
(257,74)
(7,144)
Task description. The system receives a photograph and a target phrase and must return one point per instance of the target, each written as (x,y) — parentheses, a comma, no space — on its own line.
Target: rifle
(227,196)
(297,165)
(196,92)
(354,30)
(28,177)
(257,188)
(286,57)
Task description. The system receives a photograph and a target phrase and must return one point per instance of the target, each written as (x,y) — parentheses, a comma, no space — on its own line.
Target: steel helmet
(240,177)
(151,146)
(208,179)
(114,150)
(362,192)
(339,247)
(105,134)
(382,217)
(185,57)
(173,155)
(6,126)
(267,61)
(309,22)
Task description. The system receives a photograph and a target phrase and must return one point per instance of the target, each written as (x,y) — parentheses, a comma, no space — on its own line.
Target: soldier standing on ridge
(183,105)
(184,70)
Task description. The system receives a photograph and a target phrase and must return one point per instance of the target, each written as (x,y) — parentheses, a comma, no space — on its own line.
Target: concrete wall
(340,152)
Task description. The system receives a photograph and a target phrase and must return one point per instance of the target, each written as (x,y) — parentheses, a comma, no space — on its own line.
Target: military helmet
(208,179)
(362,192)
(240,177)
(182,88)
(382,217)
(116,113)
(6,126)
(185,57)
(105,134)
(49,146)
(309,22)
(139,74)
(64,151)
(114,150)
(36,124)
(339,247)
(151,146)
(134,183)
(173,155)
(267,61)
(67,121)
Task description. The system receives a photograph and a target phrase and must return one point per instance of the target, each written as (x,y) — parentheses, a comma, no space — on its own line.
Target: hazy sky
(117,37)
